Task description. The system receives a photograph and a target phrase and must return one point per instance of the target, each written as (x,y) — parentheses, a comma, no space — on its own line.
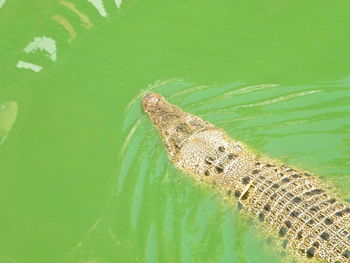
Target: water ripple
(160,215)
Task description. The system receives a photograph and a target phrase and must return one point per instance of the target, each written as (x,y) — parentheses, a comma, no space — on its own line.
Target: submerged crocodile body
(308,219)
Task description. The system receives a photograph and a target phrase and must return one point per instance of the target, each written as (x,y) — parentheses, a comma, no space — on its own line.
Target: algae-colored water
(85,178)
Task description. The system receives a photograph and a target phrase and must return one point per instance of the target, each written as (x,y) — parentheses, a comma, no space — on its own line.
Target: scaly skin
(309,220)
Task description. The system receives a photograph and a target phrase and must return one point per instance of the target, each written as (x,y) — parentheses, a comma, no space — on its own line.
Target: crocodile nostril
(150,101)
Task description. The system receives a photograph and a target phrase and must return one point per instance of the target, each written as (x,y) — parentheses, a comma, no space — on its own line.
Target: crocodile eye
(182,127)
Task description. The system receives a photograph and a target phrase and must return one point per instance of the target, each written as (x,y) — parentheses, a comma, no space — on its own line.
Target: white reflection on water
(118,3)
(43,43)
(48,44)
(98,4)
(27,65)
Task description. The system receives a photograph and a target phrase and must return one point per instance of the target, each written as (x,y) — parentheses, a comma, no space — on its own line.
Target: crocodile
(306,217)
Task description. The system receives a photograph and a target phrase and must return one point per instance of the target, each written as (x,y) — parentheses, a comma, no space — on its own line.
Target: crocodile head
(174,125)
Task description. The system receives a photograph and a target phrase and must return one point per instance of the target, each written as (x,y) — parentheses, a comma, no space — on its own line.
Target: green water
(84,177)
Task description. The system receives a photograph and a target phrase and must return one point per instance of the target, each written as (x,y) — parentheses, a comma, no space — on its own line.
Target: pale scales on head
(291,202)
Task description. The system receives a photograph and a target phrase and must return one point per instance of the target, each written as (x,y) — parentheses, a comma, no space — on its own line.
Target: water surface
(85,178)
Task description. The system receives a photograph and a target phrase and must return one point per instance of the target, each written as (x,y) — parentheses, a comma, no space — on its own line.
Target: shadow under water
(156,214)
